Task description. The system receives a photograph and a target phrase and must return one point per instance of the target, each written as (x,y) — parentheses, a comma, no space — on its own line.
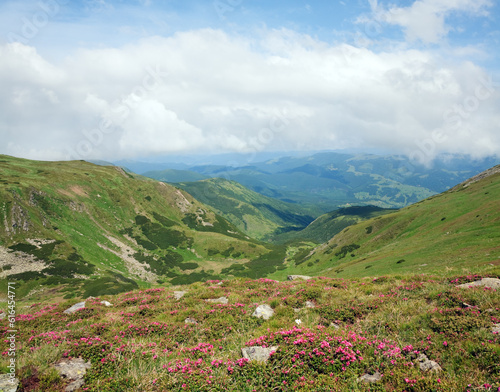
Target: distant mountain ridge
(326,181)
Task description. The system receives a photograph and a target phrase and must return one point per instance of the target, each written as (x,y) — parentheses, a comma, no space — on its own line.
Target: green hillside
(99,229)
(455,232)
(327,225)
(174,175)
(257,215)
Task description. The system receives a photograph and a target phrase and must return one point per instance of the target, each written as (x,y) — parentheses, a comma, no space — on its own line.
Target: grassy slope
(458,230)
(142,342)
(174,175)
(82,206)
(257,215)
(327,225)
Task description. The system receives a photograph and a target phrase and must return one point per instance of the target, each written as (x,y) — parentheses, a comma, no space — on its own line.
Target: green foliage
(346,249)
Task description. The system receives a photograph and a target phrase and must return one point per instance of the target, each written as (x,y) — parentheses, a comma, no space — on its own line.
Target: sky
(122,79)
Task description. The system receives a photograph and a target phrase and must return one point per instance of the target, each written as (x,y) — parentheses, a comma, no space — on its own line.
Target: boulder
(8,384)
(264,311)
(487,282)
(106,303)
(75,307)
(221,300)
(179,294)
(496,328)
(370,378)
(299,277)
(74,370)
(257,353)
(190,320)
(310,305)
(427,365)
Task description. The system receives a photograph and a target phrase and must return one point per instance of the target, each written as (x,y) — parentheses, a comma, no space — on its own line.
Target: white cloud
(425,20)
(207,90)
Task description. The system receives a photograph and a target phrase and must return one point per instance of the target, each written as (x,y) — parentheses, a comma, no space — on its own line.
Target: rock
(264,311)
(496,328)
(190,320)
(106,303)
(310,305)
(74,370)
(257,353)
(333,325)
(221,300)
(75,307)
(8,384)
(179,294)
(427,365)
(487,282)
(299,277)
(2,315)
(370,378)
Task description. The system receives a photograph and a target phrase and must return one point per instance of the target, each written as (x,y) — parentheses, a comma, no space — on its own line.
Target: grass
(142,342)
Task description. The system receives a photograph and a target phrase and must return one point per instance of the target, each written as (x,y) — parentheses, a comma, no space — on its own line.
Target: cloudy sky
(113,79)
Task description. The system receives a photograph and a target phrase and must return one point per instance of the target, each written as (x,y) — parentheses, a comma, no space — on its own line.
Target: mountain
(257,215)
(457,231)
(327,225)
(326,181)
(175,175)
(99,229)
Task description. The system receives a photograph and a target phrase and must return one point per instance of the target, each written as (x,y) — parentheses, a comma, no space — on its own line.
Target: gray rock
(221,300)
(427,365)
(190,320)
(257,353)
(310,305)
(496,328)
(75,307)
(74,370)
(8,384)
(106,303)
(179,294)
(299,277)
(370,378)
(487,282)
(264,311)
(2,315)
(333,325)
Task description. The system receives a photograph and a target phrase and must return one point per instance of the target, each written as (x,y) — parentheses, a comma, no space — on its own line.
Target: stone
(333,325)
(427,365)
(370,378)
(190,320)
(221,300)
(8,384)
(2,315)
(74,370)
(299,277)
(487,282)
(179,294)
(264,311)
(257,353)
(106,303)
(496,328)
(310,305)
(75,307)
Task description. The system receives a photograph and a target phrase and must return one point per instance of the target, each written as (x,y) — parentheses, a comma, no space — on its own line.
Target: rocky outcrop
(487,282)
(426,365)
(264,311)
(221,300)
(299,277)
(179,294)
(8,384)
(370,378)
(258,353)
(74,370)
(75,307)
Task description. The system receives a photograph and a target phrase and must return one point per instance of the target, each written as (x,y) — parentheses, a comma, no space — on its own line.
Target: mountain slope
(100,228)
(327,225)
(458,230)
(257,215)
(325,181)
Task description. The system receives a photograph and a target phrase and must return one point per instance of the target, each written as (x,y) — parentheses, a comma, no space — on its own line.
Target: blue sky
(119,79)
